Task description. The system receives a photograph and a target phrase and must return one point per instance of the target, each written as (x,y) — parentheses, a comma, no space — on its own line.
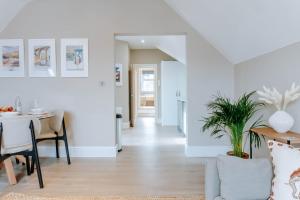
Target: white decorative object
(271,96)
(18,105)
(74,58)
(12,58)
(291,95)
(280,121)
(42,58)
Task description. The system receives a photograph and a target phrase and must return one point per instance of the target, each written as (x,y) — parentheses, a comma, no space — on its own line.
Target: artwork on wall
(74,57)
(42,58)
(119,77)
(12,58)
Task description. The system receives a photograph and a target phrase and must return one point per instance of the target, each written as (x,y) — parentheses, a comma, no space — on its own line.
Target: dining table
(8,164)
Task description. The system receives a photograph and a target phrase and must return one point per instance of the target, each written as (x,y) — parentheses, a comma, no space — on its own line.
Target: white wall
(122,56)
(91,107)
(207,73)
(278,69)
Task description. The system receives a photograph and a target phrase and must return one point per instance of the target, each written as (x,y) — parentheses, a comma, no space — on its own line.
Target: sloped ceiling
(174,45)
(243,29)
(9,9)
(239,29)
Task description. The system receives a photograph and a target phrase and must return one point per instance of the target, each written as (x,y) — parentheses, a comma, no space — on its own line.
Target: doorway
(154,88)
(146,90)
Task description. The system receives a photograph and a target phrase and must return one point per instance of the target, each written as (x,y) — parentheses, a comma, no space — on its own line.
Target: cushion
(286,161)
(244,179)
(47,135)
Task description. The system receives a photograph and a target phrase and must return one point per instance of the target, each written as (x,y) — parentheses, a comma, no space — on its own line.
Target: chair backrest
(56,121)
(16,135)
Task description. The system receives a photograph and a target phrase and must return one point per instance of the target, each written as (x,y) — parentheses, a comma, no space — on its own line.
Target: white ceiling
(9,9)
(243,29)
(135,41)
(239,29)
(174,45)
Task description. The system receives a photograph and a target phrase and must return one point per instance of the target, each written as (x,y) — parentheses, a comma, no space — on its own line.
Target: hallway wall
(122,56)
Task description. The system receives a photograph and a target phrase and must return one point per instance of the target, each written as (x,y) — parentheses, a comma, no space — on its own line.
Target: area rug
(15,196)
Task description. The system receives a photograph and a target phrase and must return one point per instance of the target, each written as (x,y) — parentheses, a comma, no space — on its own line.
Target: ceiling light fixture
(142,41)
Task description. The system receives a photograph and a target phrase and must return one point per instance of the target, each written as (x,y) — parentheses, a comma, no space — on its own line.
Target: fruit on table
(6,109)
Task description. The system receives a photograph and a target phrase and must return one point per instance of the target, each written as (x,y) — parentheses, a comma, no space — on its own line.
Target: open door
(132,96)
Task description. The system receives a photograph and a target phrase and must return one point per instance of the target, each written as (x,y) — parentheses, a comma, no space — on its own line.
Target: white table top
(39,116)
(42,116)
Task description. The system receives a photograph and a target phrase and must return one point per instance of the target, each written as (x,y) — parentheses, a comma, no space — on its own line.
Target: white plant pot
(281,121)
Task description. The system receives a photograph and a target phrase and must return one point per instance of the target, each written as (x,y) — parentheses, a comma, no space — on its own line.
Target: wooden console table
(288,138)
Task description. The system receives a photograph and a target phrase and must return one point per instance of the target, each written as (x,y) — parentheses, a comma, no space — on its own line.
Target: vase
(281,121)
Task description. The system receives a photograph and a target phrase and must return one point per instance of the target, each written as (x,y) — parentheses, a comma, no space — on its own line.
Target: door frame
(136,68)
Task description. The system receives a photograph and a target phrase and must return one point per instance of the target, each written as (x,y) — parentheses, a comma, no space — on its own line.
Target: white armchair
(18,137)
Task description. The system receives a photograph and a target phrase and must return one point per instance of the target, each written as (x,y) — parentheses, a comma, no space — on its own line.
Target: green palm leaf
(231,118)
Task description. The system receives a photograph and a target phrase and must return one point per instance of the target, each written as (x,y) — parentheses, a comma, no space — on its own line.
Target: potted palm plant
(232,118)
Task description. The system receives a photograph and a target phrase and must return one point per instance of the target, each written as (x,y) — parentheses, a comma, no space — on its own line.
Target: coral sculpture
(273,97)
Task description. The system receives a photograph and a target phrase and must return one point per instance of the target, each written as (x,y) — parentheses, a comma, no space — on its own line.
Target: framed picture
(74,58)
(42,58)
(12,58)
(119,74)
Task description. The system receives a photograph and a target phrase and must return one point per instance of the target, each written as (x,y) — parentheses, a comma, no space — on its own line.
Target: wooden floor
(152,163)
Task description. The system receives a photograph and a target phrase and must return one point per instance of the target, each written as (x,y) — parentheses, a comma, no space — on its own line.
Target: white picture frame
(42,58)
(74,57)
(119,74)
(12,58)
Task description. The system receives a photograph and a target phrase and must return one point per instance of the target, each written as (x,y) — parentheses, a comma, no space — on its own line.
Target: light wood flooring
(152,163)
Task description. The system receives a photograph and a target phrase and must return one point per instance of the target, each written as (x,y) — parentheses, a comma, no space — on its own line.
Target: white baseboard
(206,151)
(84,151)
(126,125)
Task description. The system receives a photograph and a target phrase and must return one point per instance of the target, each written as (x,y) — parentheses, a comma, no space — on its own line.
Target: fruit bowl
(6,109)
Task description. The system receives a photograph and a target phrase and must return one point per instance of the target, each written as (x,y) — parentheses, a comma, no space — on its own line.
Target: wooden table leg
(10,171)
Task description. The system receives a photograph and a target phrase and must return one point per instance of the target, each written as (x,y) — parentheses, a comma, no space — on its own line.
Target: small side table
(288,138)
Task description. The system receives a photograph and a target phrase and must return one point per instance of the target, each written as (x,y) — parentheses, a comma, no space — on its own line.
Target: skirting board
(126,125)
(205,151)
(84,152)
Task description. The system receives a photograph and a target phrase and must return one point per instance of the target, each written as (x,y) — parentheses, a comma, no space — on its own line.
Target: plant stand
(287,138)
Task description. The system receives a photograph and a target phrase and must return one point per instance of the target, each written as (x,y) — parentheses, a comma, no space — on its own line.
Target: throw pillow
(242,179)
(286,163)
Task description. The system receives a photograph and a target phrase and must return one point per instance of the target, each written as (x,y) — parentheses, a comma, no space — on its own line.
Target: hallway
(148,133)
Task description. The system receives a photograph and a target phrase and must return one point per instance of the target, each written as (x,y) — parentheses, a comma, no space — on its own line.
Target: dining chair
(18,137)
(56,132)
